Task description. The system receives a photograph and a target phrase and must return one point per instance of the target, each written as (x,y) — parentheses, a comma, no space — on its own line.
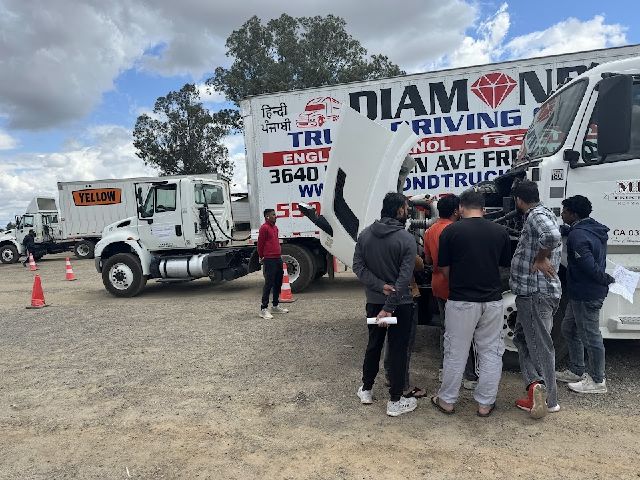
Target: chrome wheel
(121,276)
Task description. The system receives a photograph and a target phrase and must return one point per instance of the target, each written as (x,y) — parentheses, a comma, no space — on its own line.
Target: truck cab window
(590,143)
(166,198)
(147,208)
(212,193)
(27,221)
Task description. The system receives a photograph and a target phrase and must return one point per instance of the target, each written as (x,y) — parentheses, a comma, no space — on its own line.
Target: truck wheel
(300,266)
(84,249)
(122,275)
(9,254)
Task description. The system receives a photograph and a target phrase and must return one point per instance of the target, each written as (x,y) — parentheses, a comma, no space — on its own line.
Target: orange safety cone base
(36,307)
(282,300)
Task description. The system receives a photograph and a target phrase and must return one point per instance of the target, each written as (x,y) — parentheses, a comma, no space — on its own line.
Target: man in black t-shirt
(470,254)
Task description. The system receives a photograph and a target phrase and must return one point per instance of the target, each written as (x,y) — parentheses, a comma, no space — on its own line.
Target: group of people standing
(467,252)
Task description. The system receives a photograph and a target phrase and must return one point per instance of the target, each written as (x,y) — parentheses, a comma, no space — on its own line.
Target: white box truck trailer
(469,121)
(585,139)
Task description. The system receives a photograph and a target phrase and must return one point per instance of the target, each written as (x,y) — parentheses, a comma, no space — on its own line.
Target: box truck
(584,139)
(470,123)
(85,209)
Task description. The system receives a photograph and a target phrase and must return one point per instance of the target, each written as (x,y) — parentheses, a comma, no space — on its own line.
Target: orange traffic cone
(69,275)
(285,292)
(32,263)
(37,295)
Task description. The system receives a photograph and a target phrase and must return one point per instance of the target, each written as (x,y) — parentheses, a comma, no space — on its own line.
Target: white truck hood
(364,165)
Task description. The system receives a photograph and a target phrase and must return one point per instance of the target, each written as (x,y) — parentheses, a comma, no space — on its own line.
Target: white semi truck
(469,121)
(179,229)
(584,139)
(85,209)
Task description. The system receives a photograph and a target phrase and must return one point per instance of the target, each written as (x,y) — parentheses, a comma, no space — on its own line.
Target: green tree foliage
(182,137)
(291,53)
(10,225)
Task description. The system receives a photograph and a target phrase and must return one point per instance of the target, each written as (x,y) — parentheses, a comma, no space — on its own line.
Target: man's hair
(447,205)
(579,205)
(527,191)
(472,199)
(391,203)
(267,211)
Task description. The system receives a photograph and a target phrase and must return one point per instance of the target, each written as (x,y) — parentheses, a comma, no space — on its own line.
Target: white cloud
(106,151)
(209,95)
(7,142)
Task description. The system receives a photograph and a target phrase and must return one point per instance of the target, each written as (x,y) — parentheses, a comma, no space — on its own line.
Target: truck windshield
(552,123)
(212,193)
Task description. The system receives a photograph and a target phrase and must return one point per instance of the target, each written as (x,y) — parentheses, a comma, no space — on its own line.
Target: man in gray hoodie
(384,260)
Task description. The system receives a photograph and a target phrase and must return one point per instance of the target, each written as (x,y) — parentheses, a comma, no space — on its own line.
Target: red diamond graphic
(492,88)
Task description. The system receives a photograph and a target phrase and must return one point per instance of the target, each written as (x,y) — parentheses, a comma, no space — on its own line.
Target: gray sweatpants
(482,323)
(532,336)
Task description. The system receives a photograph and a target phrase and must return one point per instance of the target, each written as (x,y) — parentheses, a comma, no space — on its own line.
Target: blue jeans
(581,330)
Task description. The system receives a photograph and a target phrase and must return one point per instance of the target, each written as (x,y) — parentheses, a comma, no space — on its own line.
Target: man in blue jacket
(587,287)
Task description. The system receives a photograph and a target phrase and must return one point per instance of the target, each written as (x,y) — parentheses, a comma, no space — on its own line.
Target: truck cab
(585,139)
(182,231)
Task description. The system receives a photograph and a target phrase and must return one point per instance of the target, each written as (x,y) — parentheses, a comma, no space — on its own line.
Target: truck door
(613,183)
(364,165)
(160,218)
(216,197)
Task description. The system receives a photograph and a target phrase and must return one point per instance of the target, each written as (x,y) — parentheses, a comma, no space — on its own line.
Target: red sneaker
(535,402)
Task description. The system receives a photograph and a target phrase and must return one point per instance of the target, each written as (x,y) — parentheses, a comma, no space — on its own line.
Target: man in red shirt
(270,256)
(448,213)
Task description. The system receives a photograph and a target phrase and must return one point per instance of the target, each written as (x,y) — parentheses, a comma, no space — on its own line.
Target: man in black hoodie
(384,260)
(587,287)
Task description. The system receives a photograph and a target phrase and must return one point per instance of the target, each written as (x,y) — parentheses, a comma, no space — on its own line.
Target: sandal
(415,392)
(485,415)
(435,401)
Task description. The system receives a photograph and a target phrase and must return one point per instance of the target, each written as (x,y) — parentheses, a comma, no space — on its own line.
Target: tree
(182,137)
(292,53)
(10,226)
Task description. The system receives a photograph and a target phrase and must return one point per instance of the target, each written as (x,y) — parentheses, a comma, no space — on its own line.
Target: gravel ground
(185,381)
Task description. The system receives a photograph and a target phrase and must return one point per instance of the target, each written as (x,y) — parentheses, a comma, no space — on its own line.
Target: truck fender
(119,242)
(5,239)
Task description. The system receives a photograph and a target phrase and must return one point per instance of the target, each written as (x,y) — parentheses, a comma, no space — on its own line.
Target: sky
(75,74)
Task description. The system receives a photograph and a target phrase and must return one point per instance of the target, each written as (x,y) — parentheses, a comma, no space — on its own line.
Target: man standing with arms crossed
(470,253)
(384,261)
(269,252)
(534,280)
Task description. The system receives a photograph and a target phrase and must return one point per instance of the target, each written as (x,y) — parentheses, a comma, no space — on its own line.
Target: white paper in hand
(626,283)
(388,320)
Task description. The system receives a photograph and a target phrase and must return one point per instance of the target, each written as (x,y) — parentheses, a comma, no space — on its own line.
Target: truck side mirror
(614,114)
(139,197)
(572,157)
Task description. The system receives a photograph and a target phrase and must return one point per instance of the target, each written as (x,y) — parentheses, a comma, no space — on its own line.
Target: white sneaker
(587,385)
(469,384)
(366,396)
(404,405)
(555,409)
(567,376)
(266,314)
(278,310)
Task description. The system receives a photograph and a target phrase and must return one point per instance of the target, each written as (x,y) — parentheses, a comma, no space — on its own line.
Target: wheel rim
(293,267)
(82,249)
(7,255)
(121,276)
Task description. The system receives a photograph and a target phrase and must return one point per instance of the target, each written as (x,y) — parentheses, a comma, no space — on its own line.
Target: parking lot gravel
(186,381)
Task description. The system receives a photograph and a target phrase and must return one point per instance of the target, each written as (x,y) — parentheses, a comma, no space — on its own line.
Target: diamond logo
(492,88)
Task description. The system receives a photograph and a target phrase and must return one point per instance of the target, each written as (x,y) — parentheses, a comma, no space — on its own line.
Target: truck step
(174,280)
(624,323)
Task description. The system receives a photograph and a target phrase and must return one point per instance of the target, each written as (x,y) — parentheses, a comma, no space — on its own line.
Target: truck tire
(300,266)
(84,249)
(9,254)
(122,275)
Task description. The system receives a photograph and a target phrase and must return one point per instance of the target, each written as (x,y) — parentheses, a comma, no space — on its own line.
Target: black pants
(272,271)
(398,342)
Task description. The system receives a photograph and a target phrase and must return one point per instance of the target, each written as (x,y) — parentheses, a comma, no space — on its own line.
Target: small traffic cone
(285,292)
(32,263)
(69,274)
(37,295)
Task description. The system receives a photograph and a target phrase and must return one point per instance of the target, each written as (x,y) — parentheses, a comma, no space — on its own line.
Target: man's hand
(545,267)
(381,316)
(388,289)
(261,260)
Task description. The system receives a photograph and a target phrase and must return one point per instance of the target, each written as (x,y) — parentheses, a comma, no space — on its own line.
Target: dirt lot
(185,381)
